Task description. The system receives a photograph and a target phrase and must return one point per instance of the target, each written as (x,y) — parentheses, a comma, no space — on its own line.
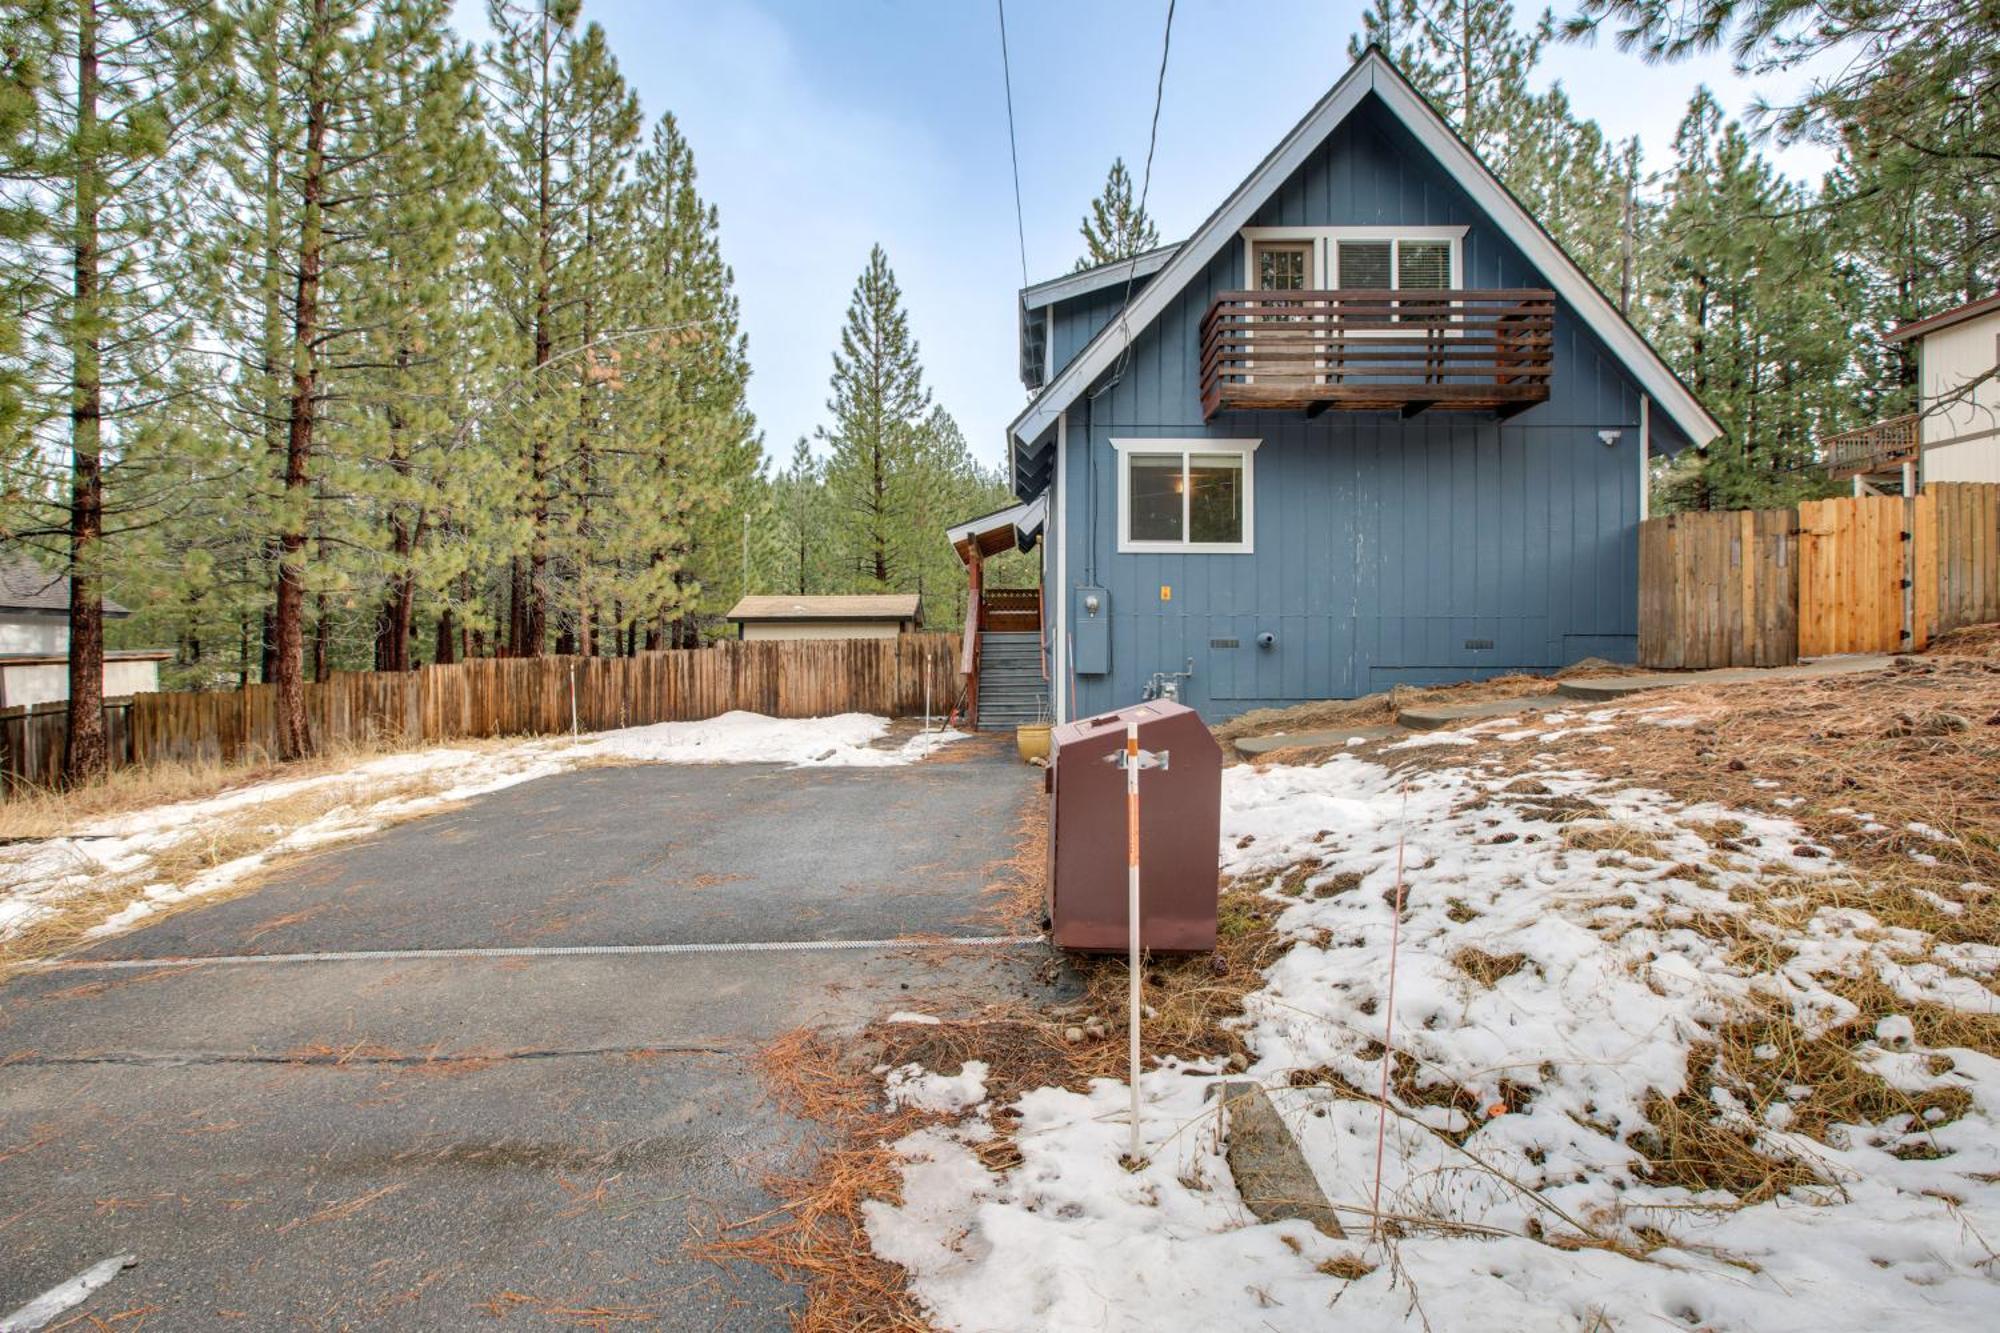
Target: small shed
(837,616)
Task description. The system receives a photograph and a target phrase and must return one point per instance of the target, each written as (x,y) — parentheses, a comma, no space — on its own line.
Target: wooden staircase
(1012,692)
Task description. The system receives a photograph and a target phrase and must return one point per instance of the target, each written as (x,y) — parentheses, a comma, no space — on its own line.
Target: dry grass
(205,846)
(1856,760)
(1762,1061)
(43,812)
(1487,969)
(1015,899)
(1612,838)
(816,1235)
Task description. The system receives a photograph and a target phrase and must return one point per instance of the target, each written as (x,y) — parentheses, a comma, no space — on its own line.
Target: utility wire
(1145,187)
(1013,149)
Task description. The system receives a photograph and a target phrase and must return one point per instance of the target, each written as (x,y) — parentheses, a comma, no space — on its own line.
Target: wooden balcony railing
(1370,350)
(1882,447)
(1010,610)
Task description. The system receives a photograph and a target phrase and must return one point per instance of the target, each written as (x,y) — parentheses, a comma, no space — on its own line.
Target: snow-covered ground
(1621,974)
(114,861)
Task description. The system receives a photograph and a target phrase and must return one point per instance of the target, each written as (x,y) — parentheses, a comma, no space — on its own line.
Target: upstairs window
(1184,495)
(1395,263)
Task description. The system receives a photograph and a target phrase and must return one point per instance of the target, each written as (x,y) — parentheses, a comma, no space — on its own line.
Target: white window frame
(1246,449)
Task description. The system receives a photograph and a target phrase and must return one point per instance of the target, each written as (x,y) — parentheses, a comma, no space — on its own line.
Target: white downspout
(1645,457)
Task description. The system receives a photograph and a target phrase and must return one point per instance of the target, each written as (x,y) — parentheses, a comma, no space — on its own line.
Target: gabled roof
(842,606)
(1087,280)
(26,586)
(1014,528)
(1372,72)
(1944,319)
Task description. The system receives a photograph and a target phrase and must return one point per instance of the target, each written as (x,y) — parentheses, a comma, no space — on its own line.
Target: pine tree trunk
(87,757)
(446,651)
(322,640)
(534,625)
(294,732)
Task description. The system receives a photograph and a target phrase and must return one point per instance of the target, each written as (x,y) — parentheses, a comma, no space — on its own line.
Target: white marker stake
(60,1300)
(1132,916)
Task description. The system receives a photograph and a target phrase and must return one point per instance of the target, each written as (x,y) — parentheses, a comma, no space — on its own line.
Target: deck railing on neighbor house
(1370,350)
(1878,448)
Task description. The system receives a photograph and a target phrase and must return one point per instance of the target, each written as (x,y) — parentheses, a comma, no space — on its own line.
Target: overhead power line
(1145,184)
(1013,148)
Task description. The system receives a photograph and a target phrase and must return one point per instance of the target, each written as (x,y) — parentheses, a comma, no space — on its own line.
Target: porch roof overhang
(1015,528)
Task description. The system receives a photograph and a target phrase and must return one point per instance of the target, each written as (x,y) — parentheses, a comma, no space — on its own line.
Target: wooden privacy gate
(1867,574)
(1767,587)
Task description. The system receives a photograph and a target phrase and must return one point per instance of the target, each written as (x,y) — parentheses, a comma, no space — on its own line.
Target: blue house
(1367,425)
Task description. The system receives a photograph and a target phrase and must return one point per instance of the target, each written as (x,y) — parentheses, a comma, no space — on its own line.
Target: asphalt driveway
(529,1134)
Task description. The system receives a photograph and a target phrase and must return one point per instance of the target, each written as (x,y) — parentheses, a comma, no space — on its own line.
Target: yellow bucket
(1032,741)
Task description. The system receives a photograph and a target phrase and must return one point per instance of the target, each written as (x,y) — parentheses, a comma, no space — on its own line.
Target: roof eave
(1373,72)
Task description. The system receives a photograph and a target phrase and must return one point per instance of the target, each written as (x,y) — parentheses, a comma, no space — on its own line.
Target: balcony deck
(1372,350)
(1872,450)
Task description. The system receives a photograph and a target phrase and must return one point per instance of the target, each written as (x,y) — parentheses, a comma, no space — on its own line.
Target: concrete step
(1436,716)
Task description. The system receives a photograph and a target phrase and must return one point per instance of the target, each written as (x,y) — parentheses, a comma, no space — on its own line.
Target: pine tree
(299,230)
(696,453)
(398,445)
(797,553)
(103,96)
(1752,309)
(878,403)
(1116,227)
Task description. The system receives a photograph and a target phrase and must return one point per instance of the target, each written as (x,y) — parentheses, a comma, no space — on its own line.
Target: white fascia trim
(1192,255)
(1638,357)
(1022,517)
(1097,279)
(1374,73)
(1057,540)
(1196,444)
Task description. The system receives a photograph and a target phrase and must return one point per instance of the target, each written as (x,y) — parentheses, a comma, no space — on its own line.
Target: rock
(1271,1173)
(1096,1031)
(1238,1062)
(862,1055)
(1073,1035)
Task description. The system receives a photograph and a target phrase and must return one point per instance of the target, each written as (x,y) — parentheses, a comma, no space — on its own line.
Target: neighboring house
(34,641)
(858,616)
(1954,435)
(1958,378)
(1367,425)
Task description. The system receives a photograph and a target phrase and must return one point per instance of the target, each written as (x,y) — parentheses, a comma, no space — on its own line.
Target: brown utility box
(1180,822)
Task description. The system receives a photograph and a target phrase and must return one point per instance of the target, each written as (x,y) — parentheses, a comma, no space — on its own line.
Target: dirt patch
(816,1236)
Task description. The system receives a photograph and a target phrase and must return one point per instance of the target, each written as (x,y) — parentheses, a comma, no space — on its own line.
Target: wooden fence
(529,696)
(1869,574)
(1719,589)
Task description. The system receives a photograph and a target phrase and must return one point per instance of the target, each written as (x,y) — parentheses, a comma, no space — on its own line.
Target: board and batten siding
(1382,546)
(1962,434)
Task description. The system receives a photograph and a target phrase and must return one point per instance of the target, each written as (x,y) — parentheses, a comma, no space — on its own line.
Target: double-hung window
(1189,496)
(1398,264)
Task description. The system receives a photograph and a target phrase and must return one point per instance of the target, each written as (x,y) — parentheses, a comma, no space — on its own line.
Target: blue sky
(820,127)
